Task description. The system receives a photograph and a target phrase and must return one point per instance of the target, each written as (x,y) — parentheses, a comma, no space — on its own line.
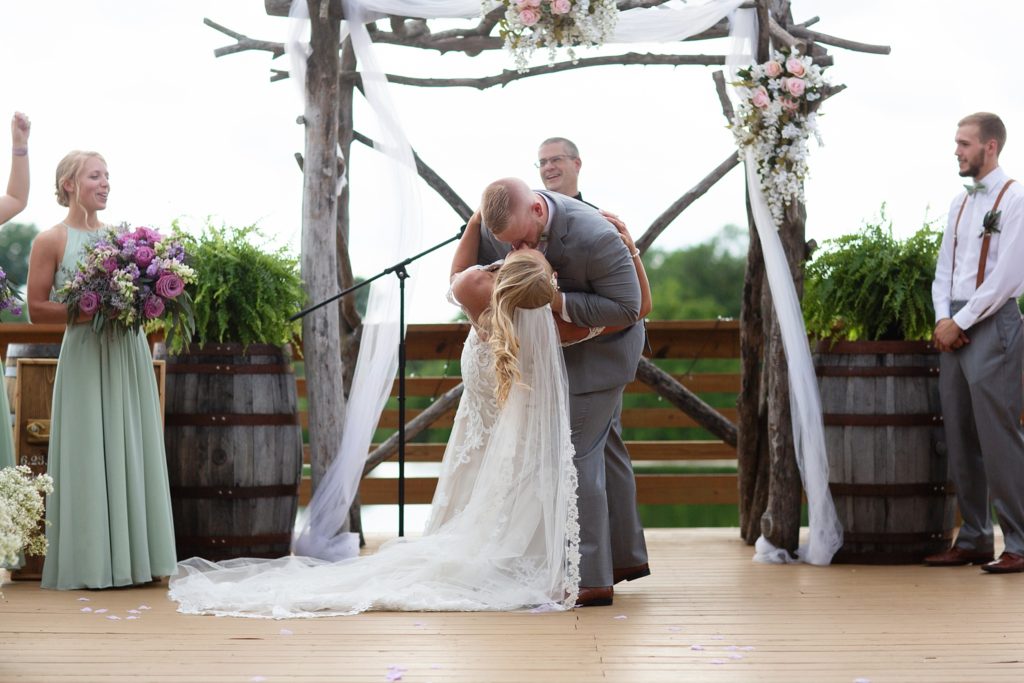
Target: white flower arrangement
(529,24)
(775,119)
(21,509)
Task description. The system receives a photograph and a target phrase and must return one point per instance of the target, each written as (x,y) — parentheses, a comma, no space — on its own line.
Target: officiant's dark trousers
(980,385)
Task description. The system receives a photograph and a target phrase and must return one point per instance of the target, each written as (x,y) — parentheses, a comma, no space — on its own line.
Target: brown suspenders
(983,258)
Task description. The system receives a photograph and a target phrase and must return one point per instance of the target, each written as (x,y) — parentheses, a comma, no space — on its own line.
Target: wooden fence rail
(657,434)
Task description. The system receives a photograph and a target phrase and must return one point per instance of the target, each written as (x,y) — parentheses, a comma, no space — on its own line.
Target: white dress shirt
(1004,267)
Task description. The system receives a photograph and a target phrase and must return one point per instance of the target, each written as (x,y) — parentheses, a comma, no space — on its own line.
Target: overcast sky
(188,135)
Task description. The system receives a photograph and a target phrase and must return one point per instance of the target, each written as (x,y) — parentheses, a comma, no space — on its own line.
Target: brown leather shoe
(957,556)
(598,596)
(1008,563)
(631,573)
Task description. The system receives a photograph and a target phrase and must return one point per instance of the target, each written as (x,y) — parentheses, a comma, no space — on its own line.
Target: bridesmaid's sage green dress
(110,513)
(6,433)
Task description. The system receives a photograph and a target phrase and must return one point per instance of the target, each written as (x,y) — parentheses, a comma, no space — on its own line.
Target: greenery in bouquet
(9,299)
(774,120)
(871,286)
(244,293)
(21,509)
(131,277)
(529,24)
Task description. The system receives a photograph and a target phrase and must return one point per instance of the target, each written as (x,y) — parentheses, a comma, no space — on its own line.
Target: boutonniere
(990,223)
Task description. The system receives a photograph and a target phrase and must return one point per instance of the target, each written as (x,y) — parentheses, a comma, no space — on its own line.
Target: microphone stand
(402,274)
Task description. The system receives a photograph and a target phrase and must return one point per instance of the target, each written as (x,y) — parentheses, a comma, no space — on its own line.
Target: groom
(600,289)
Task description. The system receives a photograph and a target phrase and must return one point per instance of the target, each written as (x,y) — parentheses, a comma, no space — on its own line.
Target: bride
(503,533)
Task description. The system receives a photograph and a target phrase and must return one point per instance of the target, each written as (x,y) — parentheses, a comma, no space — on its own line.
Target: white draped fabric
(376,366)
(826,533)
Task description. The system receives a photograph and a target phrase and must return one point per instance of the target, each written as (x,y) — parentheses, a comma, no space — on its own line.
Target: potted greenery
(867,299)
(232,432)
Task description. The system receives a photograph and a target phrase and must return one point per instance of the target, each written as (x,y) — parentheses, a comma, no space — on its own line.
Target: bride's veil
(515,544)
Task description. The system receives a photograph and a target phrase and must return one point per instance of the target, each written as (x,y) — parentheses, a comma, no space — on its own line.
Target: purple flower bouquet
(9,299)
(130,278)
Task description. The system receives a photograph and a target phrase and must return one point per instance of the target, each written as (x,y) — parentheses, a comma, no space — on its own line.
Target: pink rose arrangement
(9,299)
(529,24)
(774,120)
(130,278)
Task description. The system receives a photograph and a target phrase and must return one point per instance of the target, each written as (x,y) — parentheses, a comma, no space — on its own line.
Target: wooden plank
(631,417)
(699,383)
(652,489)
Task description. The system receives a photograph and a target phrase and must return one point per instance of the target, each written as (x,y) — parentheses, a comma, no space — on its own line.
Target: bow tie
(976,187)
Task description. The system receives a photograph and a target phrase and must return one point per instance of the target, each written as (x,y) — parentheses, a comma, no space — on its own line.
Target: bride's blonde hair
(523,281)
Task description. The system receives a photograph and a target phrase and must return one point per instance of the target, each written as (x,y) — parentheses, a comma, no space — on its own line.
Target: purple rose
(144,256)
(89,303)
(153,308)
(169,286)
(110,264)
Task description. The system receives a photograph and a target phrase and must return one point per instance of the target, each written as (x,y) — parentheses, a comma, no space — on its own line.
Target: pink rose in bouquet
(89,303)
(144,256)
(153,308)
(773,69)
(761,99)
(170,286)
(796,67)
(795,86)
(560,6)
(529,16)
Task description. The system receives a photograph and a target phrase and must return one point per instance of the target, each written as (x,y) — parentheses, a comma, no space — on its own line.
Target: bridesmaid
(110,513)
(11,204)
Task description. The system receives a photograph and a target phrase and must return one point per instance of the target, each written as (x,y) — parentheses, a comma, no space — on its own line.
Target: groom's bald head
(502,201)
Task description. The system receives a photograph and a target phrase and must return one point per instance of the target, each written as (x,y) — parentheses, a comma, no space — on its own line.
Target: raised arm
(466,251)
(14,202)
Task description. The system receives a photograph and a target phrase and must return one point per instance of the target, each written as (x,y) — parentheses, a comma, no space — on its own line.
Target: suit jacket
(599,280)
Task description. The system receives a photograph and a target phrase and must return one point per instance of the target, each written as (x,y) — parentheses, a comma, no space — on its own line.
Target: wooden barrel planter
(887,461)
(234,450)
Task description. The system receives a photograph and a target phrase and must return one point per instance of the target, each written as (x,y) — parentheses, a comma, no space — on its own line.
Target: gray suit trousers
(980,385)
(611,535)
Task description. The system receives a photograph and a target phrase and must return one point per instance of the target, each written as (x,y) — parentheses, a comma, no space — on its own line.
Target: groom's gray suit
(597,275)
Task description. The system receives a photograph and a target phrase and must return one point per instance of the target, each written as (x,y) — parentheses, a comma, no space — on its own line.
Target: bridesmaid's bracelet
(635,253)
(19,151)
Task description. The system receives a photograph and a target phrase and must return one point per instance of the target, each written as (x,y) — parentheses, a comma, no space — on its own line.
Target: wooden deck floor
(706,614)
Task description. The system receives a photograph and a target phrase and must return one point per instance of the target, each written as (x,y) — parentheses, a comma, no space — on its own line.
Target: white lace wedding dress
(503,532)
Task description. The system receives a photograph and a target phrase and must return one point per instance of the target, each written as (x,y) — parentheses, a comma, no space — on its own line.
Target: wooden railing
(686,341)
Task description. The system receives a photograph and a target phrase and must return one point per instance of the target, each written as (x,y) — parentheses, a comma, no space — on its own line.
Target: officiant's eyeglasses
(553,160)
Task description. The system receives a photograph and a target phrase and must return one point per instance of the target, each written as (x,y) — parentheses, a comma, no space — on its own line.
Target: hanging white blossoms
(529,24)
(774,119)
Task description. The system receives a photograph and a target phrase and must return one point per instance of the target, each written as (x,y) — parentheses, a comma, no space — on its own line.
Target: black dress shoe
(956,557)
(598,596)
(631,573)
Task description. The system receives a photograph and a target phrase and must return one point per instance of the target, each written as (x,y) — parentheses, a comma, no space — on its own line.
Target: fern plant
(243,293)
(872,286)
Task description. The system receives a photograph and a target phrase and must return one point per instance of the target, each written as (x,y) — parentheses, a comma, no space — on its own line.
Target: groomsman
(978,278)
(559,162)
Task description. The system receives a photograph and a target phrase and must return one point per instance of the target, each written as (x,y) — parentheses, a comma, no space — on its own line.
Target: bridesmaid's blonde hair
(523,281)
(68,169)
